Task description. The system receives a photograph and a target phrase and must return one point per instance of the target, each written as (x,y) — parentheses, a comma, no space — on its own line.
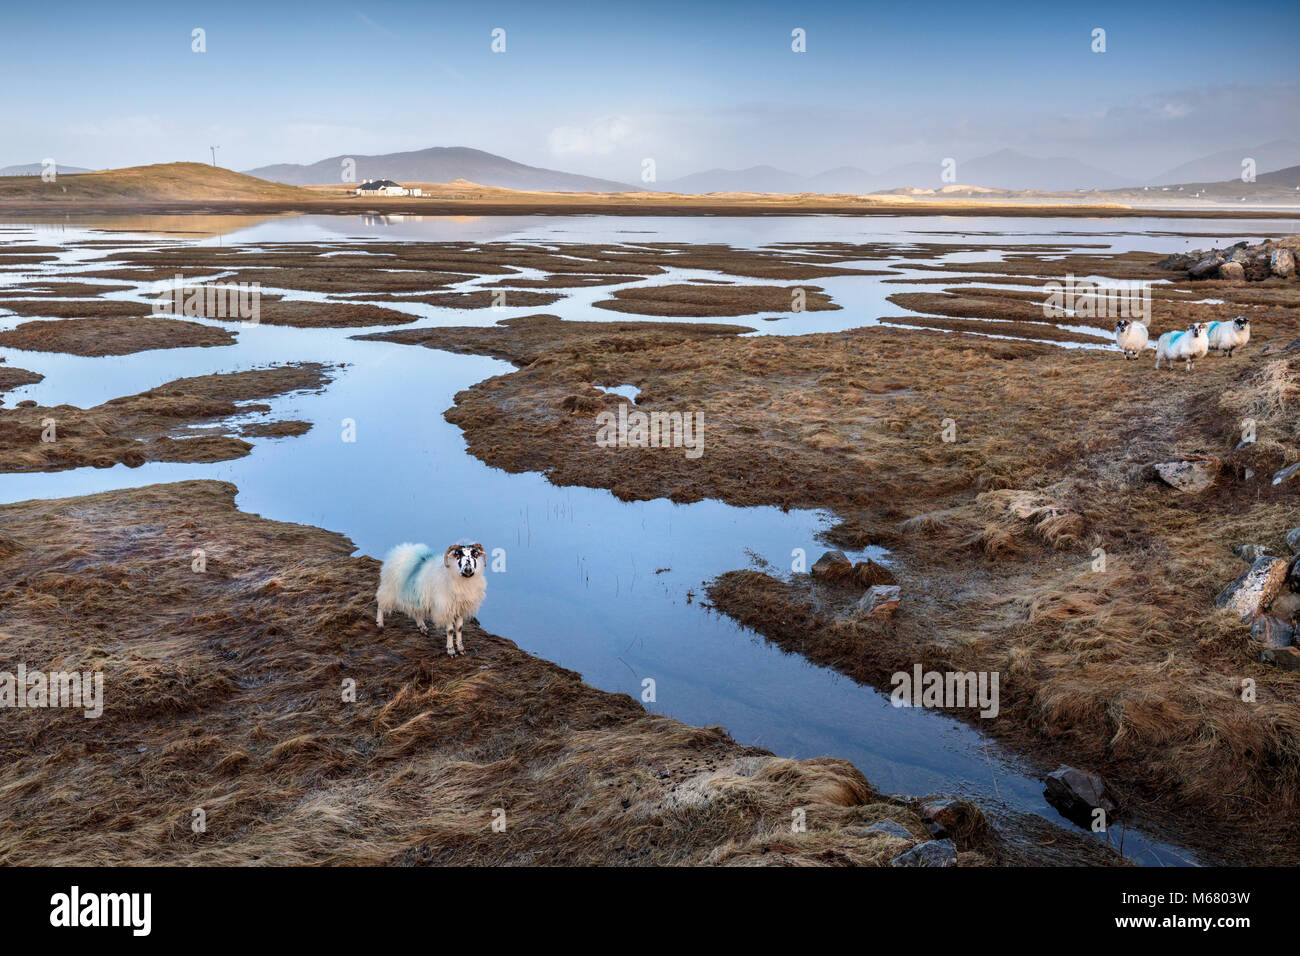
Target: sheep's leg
(424,628)
(451,648)
(460,646)
(379,618)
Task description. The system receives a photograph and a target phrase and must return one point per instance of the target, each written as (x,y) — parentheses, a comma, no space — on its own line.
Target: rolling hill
(163,181)
(439,164)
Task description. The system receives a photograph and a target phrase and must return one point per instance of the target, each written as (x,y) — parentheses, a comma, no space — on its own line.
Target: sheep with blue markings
(1224,337)
(1186,346)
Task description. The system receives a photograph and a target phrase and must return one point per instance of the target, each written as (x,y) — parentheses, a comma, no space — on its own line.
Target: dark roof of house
(380,184)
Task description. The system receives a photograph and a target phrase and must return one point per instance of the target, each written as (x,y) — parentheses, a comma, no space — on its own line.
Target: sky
(597,88)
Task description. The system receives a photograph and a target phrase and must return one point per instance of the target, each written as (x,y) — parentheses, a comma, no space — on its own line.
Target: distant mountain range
(440,164)
(35,169)
(1226,165)
(1005,169)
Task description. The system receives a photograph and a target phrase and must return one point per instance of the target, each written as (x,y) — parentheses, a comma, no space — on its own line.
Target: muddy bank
(525,339)
(716,300)
(11,378)
(116,336)
(1128,671)
(244,683)
(181,421)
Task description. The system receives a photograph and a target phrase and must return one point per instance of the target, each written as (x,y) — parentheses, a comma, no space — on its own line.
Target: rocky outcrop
(1293,540)
(1273,258)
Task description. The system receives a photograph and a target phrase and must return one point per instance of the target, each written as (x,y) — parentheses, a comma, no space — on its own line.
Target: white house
(385,187)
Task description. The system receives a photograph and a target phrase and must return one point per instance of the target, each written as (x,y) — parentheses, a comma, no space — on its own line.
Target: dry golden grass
(224,692)
(157,425)
(1128,671)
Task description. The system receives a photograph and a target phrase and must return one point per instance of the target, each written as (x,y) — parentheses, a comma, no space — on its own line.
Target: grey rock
(832,564)
(1206,268)
(880,600)
(1191,477)
(930,853)
(1287,473)
(891,828)
(1255,589)
(1293,575)
(1077,793)
(1271,632)
(1293,540)
(1250,552)
(1282,263)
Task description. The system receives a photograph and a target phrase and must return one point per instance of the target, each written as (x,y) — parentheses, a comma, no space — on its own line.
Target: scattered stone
(1287,473)
(958,819)
(1191,477)
(832,566)
(1077,793)
(1232,271)
(1255,589)
(931,853)
(1271,632)
(1287,658)
(891,828)
(1250,552)
(1206,268)
(1293,540)
(1282,263)
(880,600)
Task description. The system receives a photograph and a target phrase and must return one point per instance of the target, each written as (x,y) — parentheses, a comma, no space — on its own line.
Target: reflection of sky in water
(607,588)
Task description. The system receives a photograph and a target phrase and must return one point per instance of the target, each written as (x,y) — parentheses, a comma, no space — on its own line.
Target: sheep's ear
(477,549)
(447,556)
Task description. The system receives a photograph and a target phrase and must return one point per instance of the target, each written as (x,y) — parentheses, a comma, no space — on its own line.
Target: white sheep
(1226,336)
(1188,345)
(1131,337)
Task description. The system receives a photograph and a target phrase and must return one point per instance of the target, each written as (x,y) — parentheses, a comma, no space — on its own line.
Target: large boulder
(1077,794)
(1282,263)
(1293,540)
(1192,476)
(1255,589)
(931,853)
(1207,268)
(1232,271)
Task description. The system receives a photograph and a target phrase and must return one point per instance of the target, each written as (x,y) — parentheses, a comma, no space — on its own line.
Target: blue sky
(594,88)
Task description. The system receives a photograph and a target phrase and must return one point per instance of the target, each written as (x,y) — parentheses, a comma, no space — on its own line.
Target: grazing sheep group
(1186,345)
